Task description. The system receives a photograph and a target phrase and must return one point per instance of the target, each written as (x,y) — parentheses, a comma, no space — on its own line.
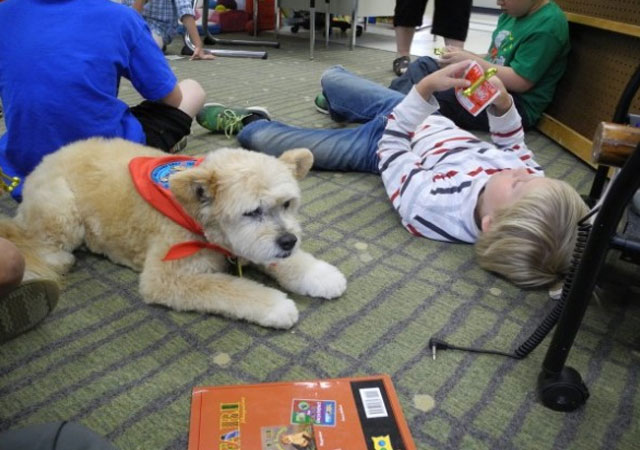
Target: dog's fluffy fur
(245,201)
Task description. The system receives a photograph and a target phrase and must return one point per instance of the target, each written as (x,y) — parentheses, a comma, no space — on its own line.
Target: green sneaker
(322,105)
(218,118)
(26,306)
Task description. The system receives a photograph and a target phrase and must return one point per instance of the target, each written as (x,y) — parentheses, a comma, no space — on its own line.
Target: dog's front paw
(322,280)
(283,314)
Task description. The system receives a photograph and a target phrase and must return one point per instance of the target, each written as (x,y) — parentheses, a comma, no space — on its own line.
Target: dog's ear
(299,161)
(193,187)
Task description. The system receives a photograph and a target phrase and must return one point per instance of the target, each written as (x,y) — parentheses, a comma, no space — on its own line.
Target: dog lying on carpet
(232,203)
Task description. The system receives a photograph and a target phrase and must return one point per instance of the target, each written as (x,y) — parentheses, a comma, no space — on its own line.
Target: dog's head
(246,201)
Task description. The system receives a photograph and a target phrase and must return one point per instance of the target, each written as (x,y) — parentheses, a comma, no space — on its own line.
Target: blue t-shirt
(60,67)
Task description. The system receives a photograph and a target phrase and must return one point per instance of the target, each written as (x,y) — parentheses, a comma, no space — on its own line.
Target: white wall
(485,4)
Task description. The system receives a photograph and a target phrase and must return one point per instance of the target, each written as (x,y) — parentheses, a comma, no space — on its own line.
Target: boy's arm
(512,81)
(505,123)
(407,182)
(191,28)
(138,5)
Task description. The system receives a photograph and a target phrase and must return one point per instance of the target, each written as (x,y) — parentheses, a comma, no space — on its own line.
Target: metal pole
(354,25)
(312,26)
(327,22)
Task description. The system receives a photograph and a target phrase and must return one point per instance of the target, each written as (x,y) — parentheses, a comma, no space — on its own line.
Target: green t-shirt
(536,48)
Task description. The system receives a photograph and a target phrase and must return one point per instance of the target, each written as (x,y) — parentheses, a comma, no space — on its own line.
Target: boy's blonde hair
(531,242)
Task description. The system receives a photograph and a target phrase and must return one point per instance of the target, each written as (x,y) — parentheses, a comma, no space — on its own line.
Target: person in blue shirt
(57,86)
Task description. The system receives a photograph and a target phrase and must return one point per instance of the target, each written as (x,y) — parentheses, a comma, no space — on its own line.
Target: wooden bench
(605,52)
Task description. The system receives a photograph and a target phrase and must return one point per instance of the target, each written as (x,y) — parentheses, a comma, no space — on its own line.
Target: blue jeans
(351,99)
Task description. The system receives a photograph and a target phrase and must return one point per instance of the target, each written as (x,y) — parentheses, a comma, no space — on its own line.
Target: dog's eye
(286,204)
(255,213)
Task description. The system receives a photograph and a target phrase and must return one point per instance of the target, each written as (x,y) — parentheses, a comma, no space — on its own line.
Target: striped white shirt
(433,171)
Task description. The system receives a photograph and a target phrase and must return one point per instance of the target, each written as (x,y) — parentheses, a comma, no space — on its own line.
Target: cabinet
(605,52)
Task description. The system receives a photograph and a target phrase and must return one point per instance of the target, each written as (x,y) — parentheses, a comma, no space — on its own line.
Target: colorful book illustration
(334,414)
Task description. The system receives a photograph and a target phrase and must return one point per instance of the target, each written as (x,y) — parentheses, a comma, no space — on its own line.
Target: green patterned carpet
(125,369)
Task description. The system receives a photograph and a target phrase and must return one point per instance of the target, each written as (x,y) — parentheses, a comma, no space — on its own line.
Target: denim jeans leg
(416,71)
(346,149)
(355,99)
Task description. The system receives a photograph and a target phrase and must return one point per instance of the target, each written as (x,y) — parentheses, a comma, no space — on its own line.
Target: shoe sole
(180,145)
(260,110)
(321,110)
(26,306)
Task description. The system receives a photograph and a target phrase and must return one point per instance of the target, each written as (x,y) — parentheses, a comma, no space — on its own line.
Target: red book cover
(334,414)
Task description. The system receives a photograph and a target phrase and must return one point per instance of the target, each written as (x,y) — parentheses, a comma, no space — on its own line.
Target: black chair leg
(561,388)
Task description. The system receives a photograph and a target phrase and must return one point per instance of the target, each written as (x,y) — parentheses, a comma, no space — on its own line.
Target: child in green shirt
(529,48)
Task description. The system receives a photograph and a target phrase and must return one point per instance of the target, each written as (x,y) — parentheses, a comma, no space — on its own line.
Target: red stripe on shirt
(475,172)
(460,138)
(508,133)
(413,230)
(442,176)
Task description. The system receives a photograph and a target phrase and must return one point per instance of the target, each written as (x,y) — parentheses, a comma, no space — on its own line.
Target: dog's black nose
(287,241)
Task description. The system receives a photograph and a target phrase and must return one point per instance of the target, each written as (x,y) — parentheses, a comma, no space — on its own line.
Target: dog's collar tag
(235,261)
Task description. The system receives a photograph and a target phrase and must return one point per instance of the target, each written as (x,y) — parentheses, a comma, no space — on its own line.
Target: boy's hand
(453,55)
(199,53)
(502,102)
(443,79)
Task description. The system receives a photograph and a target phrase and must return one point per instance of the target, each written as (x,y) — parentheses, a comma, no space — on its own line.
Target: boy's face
(520,8)
(507,187)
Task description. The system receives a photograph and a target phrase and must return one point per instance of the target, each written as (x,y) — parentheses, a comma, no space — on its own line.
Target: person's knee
(64,435)
(330,74)
(11,265)
(193,96)
(194,90)
(426,65)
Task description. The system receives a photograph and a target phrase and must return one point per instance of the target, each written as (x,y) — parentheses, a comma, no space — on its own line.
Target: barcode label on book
(373,403)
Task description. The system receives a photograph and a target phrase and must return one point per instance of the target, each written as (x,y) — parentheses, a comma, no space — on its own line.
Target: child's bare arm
(138,5)
(512,81)
(190,26)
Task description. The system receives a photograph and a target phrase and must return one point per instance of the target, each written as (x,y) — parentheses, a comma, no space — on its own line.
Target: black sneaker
(401,64)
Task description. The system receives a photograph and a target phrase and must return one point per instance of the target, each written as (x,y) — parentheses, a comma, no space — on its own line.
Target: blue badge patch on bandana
(160,175)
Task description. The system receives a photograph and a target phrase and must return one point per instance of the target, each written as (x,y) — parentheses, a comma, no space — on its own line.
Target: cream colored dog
(245,203)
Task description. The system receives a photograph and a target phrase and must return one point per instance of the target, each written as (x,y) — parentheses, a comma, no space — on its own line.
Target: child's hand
(443,79)
(199,53)
(454,55)
(502,102)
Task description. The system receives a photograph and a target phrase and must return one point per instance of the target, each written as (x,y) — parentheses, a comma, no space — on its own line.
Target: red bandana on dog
(151,178)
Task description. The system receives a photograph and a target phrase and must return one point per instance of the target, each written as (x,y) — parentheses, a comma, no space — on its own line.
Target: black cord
(55,440)
(439,344)
(549,322)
